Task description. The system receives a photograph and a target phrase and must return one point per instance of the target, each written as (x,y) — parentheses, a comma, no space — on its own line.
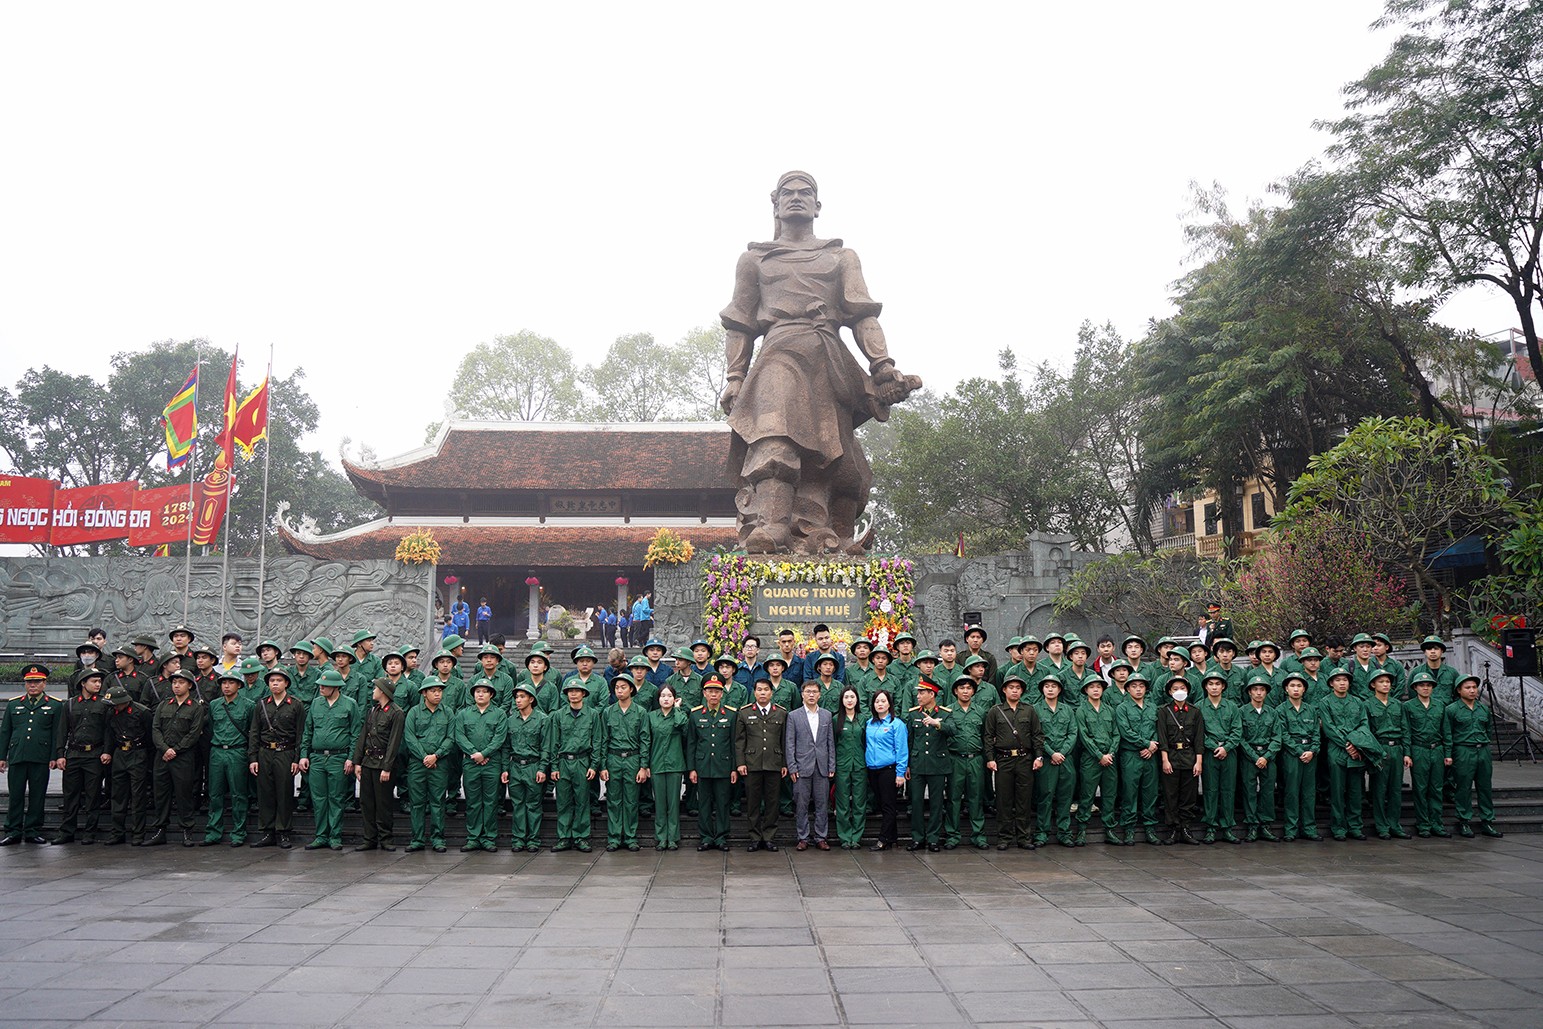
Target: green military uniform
(851,780)
(965,788)
(1386,722)
(666,768)
(1259,730)
(529,751)
(930,764)
(31,737)
(1292,662)
(1136,725)
(1219,779)
(1466,735)
(1055,786)
(1300,734)
(577,750)
(710,755)
(1361,678)
(369,665)
(485,733)
(427,734)
(1445,678)
(626,743)
(1097,737)
(229,778)
(177,727)
(327,744)
(1340,718)
(1423,726)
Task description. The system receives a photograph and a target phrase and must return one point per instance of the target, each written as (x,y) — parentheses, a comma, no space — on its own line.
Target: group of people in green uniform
(1041,741)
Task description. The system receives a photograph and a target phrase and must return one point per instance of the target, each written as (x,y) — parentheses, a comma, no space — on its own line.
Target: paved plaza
(1428,932)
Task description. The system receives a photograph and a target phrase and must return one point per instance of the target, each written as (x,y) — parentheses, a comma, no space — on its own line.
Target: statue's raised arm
(804,480)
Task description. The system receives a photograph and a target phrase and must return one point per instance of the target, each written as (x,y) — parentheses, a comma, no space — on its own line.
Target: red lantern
(451,580)
(533,581)
(621,580)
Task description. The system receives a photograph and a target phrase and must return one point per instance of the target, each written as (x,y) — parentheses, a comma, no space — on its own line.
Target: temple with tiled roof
(572,504)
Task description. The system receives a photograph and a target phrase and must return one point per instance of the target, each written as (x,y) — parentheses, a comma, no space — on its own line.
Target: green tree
(629,384)
(1146,594)
(524,377)
(1408,488)
(1442,143)
(697,369)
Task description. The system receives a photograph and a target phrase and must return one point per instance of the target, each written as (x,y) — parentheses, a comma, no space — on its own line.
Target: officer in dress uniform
(710,758)
(31,744)
(760,731)
(85,756)
(1180,736)
(929,766)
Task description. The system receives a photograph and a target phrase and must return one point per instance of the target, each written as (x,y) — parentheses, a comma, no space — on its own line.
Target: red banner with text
(91,514)
(160,516)
(26,509)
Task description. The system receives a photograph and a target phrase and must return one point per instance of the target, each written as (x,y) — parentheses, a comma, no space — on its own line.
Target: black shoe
(933,847)
(561,846)
(1267,835)
(1186,838)
(188,841)
(211,843)
(439,848)
(284,841)
(316,845)
(111,841)
(635,848)
(265,840)
(1441,832)
(583,847)
(157,839)
(1028,845)
(1397,832)
(1152,840)
(38,839)
(61,839)
(371,846)
(238,843)
(1465,830)
(705,846)
(914,846)
(753,848)
(387,846)
(1003,845)
(884,846)
(1488,829)
(764,846)
(335,846)
(611,848)
(86,840)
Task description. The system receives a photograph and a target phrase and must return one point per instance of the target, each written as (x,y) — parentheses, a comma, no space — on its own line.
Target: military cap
(533,655)
(975,659)
(1213,674)
(1164,641)
(1177,653)
(408,651)
(1467,678)
(118,696)
(1423,675)
(519,687)
(1361,638)
(333,679)
(303,647)
(975,627)
(1224,641)
(822,658)
(252,666)
(879,648)
(777,657)
(87,646)
(1053,635)
(538,647)
(1024,641)
(1122,663)
(1308,653)
(1138,676)
(1434,641)
(234,675)
(1050,678)
(388,655)
(862,641)
(185,676)
(1013,677)
(289,680)
(181,628)
(1381,673)
(1334,674)
(683,654)
(486,648)
(145,641)
(1076,643)
(1177,680)
(1268,643)
(86,673)
(1260,680)
(452,641)
(699,642)
(128,652)
(1133,637)
(962,680)
(323,643)
(1382,637)
(573,683)
(905,636)
(712,683)
(445,653)
(726,659)
(925,655)
(340,649)
(1297,634)
(200,648)
(485,683)
(1253,646)
(435,684)
(927,684)
(654,641)
(1091,680)
(1198,643)
(1299,677)
(639,662)
(270,643)
(581,651)
(361,636)
(160,666)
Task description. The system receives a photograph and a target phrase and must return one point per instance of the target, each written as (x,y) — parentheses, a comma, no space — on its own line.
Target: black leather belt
(1389,739)
(573,757)
(279,746)
(623,753)
(1015,753)
(327,753)
(1484,744)
(230,746)
(86,748)
(523,761)
(973,753)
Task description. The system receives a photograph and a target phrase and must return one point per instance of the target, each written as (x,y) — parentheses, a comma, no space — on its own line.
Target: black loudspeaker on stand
(1519,652)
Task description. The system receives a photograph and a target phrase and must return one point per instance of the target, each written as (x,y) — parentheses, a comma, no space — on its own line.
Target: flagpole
(262,544)
(187,561)
(229,448)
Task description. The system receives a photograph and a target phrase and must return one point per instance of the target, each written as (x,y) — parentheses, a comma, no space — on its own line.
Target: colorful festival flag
(252,420)
(231,396)
(180,418)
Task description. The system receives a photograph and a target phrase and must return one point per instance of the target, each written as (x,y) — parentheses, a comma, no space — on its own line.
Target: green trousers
(621,800)
(1258,791)
(330,793)
(667,807)
(1387,790)
(1138,791)
(525,798)
(482,790)
(851,803)
(1426,776)
(426,799)
(713,811)
(1347,795)
(1219,780)
(229,777)
(1299,791)
(1471,768)
(966,791)
(27,782)
(927,820)
(1053,790)
(1096,779)
(573,811)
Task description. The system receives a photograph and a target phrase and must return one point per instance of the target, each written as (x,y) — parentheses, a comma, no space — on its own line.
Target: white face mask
(1180,696)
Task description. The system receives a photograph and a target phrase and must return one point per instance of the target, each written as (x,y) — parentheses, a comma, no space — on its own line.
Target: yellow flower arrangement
(418,548)
(668,547)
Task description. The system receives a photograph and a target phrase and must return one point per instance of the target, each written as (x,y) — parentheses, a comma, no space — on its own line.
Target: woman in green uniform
(666,767)
(851,769)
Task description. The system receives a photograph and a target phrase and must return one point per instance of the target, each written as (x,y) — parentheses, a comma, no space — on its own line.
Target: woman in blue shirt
(888,753)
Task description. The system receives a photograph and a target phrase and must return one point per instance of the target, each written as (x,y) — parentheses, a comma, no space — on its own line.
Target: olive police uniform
(1386,785)
(1466,735)
(1137,728)
(1341,717)
(85,754)
(1423,724)
(1299,736)
(1055,786)
(327,744)
(1223,731)
(666,768)
(710,755)
(228,722)
(965,789)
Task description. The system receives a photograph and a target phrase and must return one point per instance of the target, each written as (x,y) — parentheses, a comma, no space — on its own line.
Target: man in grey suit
(811,755)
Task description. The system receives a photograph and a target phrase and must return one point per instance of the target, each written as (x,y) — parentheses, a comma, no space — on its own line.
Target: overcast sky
(373,189)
